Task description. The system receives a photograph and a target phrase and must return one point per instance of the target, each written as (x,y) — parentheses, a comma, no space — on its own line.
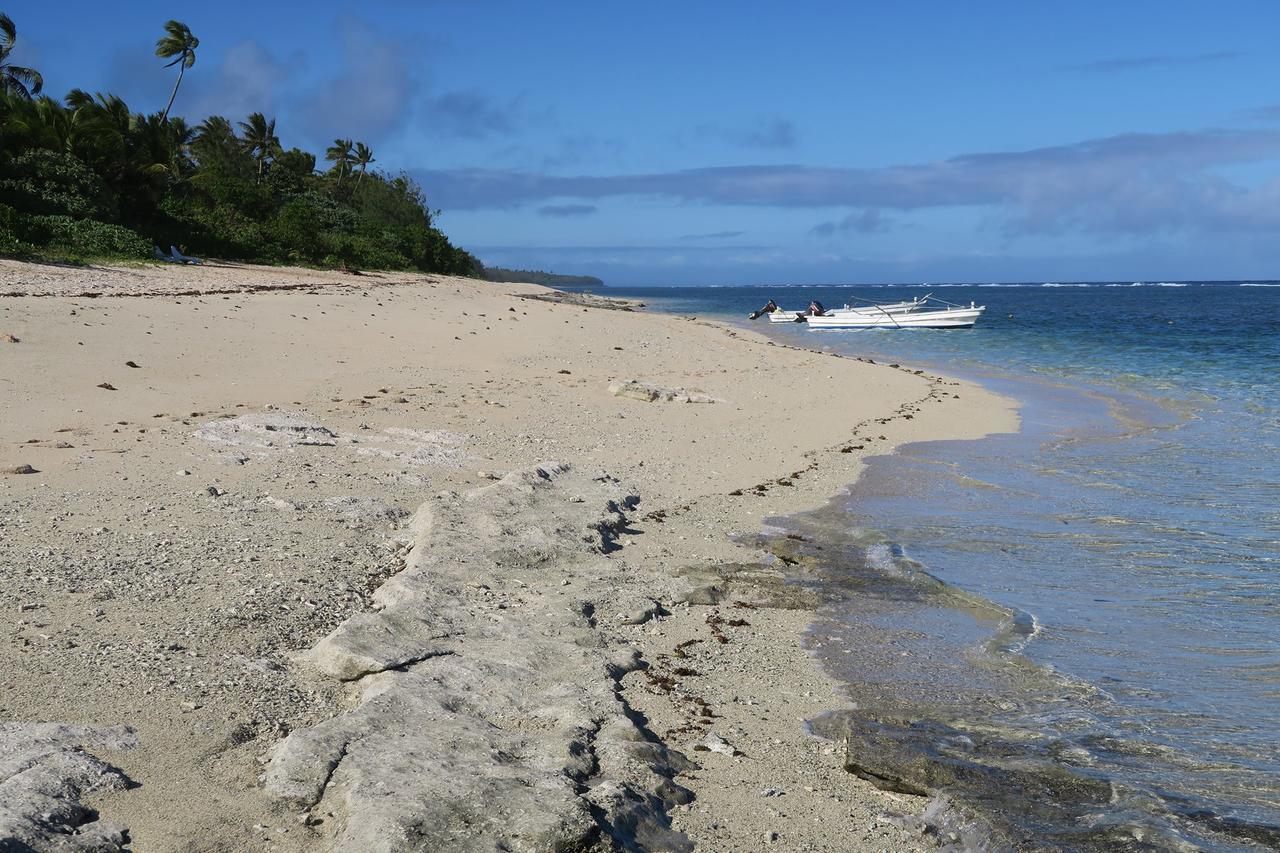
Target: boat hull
(781,316)
(951,318)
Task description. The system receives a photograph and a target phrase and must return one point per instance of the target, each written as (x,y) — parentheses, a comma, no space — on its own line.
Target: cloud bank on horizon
(586,140)
(1133,183)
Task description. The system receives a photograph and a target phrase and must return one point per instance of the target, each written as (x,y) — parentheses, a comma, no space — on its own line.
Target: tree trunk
(182,69)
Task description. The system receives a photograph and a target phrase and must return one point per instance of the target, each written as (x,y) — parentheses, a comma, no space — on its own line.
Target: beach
(300,560)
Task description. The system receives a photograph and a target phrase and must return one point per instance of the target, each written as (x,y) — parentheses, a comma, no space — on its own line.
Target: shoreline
(985,738)
(331,522)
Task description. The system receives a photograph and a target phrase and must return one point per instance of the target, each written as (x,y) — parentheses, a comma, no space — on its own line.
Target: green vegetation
(548,279)
(87,177)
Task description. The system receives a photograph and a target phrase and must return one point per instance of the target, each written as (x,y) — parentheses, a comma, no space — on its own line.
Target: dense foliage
(89,177)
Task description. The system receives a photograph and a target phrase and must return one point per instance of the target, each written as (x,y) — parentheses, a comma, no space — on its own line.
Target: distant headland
(548,279)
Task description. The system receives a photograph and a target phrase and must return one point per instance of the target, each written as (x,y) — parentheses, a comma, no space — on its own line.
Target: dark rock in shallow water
(1267,835)
(993,794)
(1031,802)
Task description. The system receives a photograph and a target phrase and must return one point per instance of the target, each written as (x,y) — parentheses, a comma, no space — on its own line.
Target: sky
(754,142)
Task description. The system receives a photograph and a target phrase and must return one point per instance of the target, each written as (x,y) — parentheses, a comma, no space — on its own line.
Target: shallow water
(1106,601)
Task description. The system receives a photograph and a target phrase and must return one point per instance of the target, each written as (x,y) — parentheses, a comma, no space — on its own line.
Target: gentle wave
(1150,284)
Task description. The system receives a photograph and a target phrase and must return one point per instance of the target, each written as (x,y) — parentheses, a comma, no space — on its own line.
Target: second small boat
(781,316)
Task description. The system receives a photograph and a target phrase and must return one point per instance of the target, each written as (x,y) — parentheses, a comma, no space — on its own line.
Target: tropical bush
(11,243)
(81,237)
(53,182)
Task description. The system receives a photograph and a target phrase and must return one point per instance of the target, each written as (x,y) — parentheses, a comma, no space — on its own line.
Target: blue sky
(751,142)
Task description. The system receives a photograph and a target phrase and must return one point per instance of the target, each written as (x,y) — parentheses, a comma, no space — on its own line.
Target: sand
(240,476)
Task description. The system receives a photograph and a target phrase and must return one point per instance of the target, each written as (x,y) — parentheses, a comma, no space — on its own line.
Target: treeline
(89,177)
(548,279)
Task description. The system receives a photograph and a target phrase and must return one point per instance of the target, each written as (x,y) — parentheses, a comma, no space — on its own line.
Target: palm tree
(180,43)
(137,157)
(260,139)
(101,124)
(182,135)
(215,134)
(27,123)
(342,154)
(15,79)
(216,147)
(155,149)
(363,157)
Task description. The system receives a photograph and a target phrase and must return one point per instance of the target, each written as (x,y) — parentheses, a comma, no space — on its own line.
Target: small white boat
(781,316)
(888,308)
(957,317)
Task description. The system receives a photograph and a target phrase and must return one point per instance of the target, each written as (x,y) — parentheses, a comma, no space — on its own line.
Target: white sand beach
(306,561)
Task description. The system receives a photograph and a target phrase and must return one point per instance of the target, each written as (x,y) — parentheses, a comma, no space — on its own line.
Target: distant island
(548,279)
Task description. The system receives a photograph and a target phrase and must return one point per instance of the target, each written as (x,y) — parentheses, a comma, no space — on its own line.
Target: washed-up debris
(648,392)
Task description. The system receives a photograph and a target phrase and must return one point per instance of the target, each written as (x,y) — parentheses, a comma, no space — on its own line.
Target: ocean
(1074,630)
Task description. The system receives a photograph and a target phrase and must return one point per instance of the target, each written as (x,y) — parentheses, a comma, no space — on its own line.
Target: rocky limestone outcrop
(268,429)
(649,393)
(44,773)
(486,711)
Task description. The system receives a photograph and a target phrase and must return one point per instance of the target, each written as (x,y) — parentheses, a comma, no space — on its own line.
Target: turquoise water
(1109,600)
